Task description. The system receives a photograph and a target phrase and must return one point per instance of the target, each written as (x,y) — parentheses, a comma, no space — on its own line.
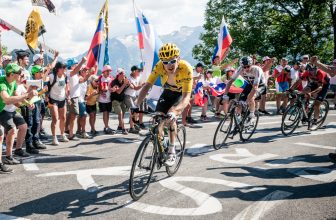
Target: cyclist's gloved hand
(172,116)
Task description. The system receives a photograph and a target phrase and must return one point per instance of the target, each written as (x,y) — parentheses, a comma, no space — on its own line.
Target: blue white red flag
(223,42)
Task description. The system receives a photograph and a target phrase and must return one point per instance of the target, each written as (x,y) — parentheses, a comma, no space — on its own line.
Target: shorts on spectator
(74,106)
(10,120)
(333,88)
(129,101)
(82,109)
(105,107)
(118,107)
(281,87)
(59,104)
(91,109)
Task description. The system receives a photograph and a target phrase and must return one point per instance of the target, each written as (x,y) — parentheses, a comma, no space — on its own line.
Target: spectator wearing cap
(32,117)
(282,75)
(333,83)
(9,118)
(131,95)
(23,62)
(105,103)
(57,101)
(91,102)
(74,89)
(6,59)
(304,60)
(118,88)
(266,66)
(85,73)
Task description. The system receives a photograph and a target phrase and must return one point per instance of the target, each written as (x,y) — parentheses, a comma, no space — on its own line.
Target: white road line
(9,217)
(207,204)
(315,146)
(270,123)
(259,209)
(197,149)
(326,175)
(241,152)
(85,179)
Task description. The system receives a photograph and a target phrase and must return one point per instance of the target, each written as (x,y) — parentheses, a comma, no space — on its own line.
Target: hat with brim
(265,58)
(36,69)
(107,68)
(12,68)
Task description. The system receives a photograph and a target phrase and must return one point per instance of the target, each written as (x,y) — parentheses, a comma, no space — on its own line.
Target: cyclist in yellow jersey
(176,78)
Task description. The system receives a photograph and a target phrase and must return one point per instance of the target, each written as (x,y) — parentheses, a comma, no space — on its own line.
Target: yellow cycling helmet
(169,51)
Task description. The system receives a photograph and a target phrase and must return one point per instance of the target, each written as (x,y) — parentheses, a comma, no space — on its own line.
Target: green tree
(271,27)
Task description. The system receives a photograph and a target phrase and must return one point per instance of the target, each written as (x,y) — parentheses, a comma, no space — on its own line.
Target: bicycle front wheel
(290,120)
(180,143)
(222,132)
(248,127)
(142,168)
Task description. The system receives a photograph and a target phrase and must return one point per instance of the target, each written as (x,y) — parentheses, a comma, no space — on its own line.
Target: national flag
(97,41)
(199,98)
(34,28)
(45,3)
(106,36)
(3,27)
(149,44)
(223,42)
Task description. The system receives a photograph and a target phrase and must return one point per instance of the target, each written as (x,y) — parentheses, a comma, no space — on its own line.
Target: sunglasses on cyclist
(169,62)
(247,66)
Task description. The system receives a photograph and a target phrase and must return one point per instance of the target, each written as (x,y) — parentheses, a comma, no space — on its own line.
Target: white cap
(334,61)
(305,56)
(265,58)
(229,69)
(120,70)
(37,56)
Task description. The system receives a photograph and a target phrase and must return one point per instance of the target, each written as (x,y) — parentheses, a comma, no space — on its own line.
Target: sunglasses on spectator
(246,67)
(169,62)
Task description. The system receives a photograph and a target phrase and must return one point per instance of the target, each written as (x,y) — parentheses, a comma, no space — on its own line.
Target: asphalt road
(269,177)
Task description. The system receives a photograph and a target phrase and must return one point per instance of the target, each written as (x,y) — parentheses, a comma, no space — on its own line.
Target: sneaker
(73,138)
(264,112)
(332,157)
(109,131)
(191,120)
(133,131)
(66,131)
(64,138)
(5,169)
(279,112)
(43,132)
(84,135)
(119,128)
(30,148)
(39,145)
(142,126)
(314,125)
(55,141)
(20,152)
(94,133)
(251,119)
(171,160)
(124,131)
(11,161)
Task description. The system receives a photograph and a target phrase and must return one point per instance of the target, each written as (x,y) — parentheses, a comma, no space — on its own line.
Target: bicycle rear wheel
(324,109)
(222,132)
(247,127)
(290,120)
(142,168)
(180,143)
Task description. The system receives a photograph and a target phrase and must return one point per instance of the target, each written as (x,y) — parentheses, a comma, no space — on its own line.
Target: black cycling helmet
(311,68)
(246,61)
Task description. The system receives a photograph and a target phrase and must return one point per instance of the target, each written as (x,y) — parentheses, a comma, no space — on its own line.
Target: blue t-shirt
(2,72)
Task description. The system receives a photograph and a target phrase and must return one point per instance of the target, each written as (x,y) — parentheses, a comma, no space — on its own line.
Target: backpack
(50,85)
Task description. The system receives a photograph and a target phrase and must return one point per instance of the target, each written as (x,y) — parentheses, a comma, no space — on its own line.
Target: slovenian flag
(224,41)
(3,27)
(149,43)
(96,43)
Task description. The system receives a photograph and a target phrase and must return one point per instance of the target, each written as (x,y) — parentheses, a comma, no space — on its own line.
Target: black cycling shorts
(322,94)
(167,100)
(260,91)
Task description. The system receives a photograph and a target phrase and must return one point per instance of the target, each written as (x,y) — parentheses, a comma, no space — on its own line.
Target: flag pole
(142,60)
(44,45)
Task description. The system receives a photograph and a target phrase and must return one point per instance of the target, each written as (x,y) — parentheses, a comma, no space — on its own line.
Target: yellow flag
(34,28)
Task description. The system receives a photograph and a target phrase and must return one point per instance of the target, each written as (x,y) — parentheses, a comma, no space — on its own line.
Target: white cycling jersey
(254,76)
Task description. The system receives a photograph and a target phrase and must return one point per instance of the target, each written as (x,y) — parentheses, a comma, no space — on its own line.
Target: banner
(46,4)
(34,28)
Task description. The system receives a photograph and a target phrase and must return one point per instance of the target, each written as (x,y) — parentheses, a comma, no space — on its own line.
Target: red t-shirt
(321,77)
(283,77)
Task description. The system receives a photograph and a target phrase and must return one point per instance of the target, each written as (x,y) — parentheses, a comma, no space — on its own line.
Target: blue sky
(71,30)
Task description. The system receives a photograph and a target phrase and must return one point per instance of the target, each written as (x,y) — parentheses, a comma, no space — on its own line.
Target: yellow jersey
(183,77)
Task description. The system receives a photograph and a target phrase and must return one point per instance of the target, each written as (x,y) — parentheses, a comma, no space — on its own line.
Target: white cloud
(71,30)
